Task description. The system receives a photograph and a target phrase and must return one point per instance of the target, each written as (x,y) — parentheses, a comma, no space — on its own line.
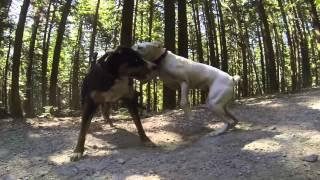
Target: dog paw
(75,156)
(220,131)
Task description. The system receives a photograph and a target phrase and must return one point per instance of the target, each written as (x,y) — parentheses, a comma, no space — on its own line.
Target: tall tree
(224,53)
(182,29)
(15,106)
(211,30)
(4,23)
(56,54)
(94,33)
(29,106)
(169,95)
(271,73)
(315,19)
(45,52)
(75,98)
(291,54)
(305,60)
(151,9)
(243,46)
(126,23)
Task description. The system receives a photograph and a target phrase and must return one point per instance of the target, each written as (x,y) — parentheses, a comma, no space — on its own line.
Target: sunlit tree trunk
(224,50)
(289,38)
(93,35)
(56,54)
(270,57)
(29,105)
(75,91)
(15,106)
(45,53)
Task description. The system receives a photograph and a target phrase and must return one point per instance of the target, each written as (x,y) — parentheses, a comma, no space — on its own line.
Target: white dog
(177,71)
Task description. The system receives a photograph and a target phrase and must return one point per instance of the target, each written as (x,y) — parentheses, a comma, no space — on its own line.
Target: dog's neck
(160,58)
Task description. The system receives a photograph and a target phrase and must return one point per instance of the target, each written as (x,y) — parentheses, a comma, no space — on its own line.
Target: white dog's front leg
(184,101)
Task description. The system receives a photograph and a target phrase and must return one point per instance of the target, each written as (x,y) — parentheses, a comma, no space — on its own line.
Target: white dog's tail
(236,78)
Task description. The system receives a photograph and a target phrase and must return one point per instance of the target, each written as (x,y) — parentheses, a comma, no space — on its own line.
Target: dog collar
(159,59)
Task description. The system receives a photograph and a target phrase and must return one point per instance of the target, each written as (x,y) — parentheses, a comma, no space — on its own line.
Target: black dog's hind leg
(89,110)
(105,110)
(132,105)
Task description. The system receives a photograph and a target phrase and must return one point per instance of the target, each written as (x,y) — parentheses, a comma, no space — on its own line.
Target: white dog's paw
(220,131)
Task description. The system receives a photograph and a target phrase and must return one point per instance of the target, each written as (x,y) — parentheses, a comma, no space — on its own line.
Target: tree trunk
(151,9)
(195,9)
(224,53)
(274,86)
(75,91)
(6,70)
(4,21)
(15,106)
(126,23)
(169,96)
(56,54)
(29,106)
(210,21)
(305,59)
(93,35)
(262,63)
(315,19)
(289,38)
(45,53)
(243,46)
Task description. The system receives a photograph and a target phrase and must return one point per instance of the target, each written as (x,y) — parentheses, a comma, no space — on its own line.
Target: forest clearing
(273,137)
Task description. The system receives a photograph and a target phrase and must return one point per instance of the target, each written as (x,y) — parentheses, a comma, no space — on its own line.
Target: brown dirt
(274,134)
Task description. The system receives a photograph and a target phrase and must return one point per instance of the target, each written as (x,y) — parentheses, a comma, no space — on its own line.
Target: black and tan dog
(108,81)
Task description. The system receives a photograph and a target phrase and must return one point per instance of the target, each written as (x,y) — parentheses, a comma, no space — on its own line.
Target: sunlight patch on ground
(139,177)
(61,157)
(263,146)
(313,105)
(167,140)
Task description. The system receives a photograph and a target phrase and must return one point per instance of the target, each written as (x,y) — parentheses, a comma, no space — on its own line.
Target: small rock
(121,161)
(94,147)
(310,158)
(272,128)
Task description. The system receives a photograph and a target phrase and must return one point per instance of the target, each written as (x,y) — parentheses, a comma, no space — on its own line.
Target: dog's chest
(119,89)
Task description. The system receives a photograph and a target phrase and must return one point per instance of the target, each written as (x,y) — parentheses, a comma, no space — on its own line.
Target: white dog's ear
(157,44)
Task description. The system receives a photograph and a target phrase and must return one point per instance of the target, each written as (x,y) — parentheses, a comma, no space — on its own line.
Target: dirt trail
(274,135)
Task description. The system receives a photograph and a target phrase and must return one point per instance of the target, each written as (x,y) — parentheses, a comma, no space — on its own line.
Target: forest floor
(274,140)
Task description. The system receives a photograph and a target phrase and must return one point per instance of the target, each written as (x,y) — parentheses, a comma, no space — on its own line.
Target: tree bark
(289,38)
(6,70)
(315,19)
(75,91)
(274,85)
(127,21)
(224,53)
(4,21)
(45,53)
(56,54)
(15,106)
(210,21)
(151,9)
(29,105)
(93,35)
(169,96)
